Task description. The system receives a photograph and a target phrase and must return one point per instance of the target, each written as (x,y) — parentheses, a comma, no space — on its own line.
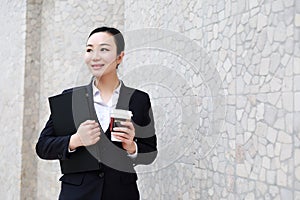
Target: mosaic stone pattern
(253,45)
(224,82)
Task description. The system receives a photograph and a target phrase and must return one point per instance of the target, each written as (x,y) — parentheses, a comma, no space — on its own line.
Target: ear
(120,57)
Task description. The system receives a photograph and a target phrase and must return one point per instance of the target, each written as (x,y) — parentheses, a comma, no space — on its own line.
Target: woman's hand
(87,134)
(126,135)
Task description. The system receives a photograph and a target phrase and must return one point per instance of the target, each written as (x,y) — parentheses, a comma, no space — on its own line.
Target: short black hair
(118,37)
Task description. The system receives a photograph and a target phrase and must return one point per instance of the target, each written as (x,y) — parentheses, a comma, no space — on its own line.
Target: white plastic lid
(121,114)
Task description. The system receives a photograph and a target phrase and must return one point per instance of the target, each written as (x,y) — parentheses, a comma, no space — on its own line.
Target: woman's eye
(104,49)
(88,50)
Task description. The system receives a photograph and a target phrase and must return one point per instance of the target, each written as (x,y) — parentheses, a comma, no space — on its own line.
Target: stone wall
(223,77)
(12,42)
(254,46)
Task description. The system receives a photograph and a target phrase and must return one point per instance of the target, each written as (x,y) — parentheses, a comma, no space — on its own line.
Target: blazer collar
(124,95)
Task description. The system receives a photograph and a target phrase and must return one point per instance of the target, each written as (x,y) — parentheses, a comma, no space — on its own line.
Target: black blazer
(105,159)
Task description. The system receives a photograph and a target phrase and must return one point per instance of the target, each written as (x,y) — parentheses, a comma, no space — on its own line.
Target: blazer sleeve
(50,146)
(143,121)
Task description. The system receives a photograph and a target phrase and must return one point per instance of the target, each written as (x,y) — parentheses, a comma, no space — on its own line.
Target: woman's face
(101,54)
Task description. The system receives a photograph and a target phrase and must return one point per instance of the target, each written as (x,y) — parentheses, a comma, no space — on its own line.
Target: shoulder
(75,88)
(137,94)
(141,93)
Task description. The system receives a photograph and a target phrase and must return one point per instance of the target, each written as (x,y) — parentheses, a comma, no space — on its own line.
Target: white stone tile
(288,3)
(266,162)
(262,150)
(280,33)
(240,85)
(272,135)
(273,97)
(250,196)
(285,59)
(275,163)
(244,18)
(275,84)
(287,84)
(286,194)
(273,190)
(290,31)
(280,124)
(264,66)
(262,175)
(286,152)
(297,101)
(277,6)
(270,35)
(277,150)
(287,100)
(297,173)
(296,83)
(281,178)
(270,114)
(253,4)
(260,111)
(275,62)
(247,78)
(271,177)
(252,113)
(297,20)
(261,22)
(247,136)
(241,170)
(297,156)
(284,137)
(227,65)
(296,65)
(239,114)
(270,150)
(289,45)
(261,129)
(279,104)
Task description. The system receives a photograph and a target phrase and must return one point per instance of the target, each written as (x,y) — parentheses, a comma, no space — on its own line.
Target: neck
(107,84)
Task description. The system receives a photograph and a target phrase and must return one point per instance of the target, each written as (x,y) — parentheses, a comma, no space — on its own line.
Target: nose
(96,55)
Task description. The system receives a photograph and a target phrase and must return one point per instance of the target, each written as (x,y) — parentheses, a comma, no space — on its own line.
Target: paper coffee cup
(116,117)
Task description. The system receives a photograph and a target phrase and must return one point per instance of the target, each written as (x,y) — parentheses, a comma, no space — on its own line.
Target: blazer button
(101,174)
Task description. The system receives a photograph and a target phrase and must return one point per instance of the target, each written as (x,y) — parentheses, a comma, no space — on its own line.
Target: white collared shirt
(103,109)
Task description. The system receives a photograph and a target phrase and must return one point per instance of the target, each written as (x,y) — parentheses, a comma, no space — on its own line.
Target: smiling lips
(97,66)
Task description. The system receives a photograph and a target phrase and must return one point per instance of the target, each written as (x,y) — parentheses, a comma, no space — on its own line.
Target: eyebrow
(103,44)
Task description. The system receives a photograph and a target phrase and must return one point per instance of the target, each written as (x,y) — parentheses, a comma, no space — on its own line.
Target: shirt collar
(96,91)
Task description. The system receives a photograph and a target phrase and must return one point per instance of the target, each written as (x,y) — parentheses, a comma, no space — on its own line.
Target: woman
(93,166)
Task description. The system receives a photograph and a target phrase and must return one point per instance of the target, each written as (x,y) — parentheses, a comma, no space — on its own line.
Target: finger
(128,124)
(95,129)
(86,122)
(90,127)
(125,130)
(121,135)
(122,129)
(94,125)
(94,133)
(96,139)
(97,134)
(122,139)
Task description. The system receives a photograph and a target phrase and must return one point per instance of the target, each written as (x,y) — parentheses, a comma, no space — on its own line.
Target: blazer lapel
(90,95)
(123,100)
(124,97)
